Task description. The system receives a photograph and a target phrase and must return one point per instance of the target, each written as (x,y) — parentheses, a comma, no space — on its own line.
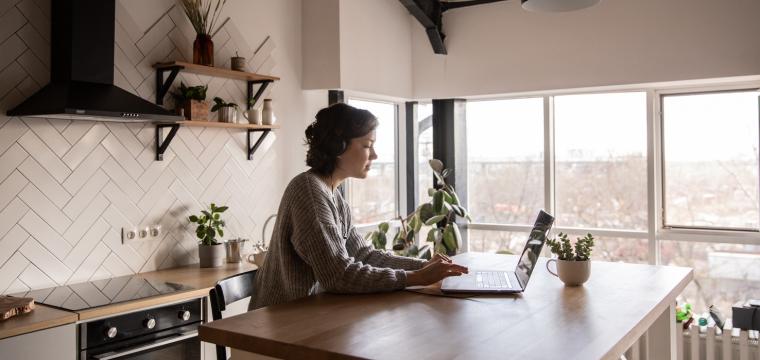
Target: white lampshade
(557,5)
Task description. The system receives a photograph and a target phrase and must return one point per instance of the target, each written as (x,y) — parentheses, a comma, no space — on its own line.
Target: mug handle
(550,270)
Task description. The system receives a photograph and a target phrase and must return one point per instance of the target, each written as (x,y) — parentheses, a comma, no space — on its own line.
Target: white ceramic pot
(267,113)
(253,116)
(572,273)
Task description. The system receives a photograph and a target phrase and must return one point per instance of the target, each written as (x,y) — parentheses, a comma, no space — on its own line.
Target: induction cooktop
(92,294)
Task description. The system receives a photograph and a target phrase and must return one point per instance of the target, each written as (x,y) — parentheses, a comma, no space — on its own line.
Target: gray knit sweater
(316,248)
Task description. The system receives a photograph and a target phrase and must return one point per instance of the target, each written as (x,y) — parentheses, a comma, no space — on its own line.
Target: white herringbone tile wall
(67,188)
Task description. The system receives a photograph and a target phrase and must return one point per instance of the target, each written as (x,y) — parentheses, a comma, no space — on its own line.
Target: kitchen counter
(42,317)
(202,280)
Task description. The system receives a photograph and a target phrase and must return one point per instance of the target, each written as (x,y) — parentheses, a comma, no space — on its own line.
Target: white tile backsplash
(68,187)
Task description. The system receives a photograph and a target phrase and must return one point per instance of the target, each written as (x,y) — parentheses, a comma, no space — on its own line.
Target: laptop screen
(532,250)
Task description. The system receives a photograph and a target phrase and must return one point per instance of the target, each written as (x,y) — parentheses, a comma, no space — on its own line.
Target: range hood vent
(81,75)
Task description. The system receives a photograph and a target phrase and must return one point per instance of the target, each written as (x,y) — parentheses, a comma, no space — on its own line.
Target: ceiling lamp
(557,5)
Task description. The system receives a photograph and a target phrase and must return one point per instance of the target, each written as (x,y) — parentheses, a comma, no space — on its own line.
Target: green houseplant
(209,225)
(573,261)
(227,110)
(192,101)
(438,215)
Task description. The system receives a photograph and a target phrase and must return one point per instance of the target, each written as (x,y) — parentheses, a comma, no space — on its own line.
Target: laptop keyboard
(493,280)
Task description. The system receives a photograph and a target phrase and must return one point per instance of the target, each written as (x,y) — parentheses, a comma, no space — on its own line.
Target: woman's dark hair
(329,135)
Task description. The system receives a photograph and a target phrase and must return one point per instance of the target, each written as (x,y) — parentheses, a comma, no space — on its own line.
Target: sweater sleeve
(318,241)
(364,252)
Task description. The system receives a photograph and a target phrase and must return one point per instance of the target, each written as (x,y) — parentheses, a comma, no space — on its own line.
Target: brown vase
(203,50)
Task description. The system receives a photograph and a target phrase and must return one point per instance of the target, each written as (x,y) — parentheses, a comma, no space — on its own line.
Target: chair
(227,291)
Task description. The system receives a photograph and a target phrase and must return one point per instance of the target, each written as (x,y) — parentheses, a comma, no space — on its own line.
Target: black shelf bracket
(252,150)
(253,98)
(162,86)
(161,143)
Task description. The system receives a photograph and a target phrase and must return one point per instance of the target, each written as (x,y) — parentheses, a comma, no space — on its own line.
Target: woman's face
(357,158)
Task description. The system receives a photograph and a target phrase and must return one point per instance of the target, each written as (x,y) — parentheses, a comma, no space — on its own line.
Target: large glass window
(723,273)
(600,160)
(505,149)
(710,148)
(374,199)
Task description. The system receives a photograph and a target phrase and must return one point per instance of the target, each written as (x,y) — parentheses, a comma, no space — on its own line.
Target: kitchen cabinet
(54,343)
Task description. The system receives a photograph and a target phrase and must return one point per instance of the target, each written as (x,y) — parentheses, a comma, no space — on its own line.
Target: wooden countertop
(42,317)
(598,320)
(202,279)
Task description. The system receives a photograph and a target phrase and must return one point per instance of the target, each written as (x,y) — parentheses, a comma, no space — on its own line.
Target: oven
(167,332)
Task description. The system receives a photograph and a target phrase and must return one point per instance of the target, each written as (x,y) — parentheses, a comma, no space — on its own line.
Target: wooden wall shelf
(163,144)
(174,67)
(251,79)
(214,71)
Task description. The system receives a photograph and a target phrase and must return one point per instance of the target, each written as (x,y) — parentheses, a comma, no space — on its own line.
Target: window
(374,199)
(601,160)
(723,273)
(710,150)
(505,165)
(424,151)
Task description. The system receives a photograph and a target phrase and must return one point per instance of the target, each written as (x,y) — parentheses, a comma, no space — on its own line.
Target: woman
(315,246)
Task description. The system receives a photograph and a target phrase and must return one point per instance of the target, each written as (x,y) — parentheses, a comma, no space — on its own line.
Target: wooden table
(620,304)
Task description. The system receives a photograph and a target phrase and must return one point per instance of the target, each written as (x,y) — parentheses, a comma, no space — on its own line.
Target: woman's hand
(435,270)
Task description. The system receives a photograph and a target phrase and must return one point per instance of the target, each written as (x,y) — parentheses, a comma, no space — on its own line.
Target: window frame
(656,229)
(399,156)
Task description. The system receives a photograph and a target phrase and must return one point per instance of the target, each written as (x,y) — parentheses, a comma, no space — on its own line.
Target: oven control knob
(184,315)
(111,332)
(150,323)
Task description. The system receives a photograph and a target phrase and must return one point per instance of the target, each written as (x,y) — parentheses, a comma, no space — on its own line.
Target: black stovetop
(97,293)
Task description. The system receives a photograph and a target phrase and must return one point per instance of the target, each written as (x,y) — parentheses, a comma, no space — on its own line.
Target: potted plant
(210,224)
(227,111)
(573,264)
(204,21)
(192,101)
(439,214)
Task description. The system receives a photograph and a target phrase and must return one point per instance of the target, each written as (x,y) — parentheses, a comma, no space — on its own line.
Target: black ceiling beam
(447,5)
(430,14)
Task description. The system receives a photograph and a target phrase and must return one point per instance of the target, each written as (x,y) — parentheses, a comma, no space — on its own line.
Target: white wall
(67,188)
(369,50)
(376,43)
(321,44)
(500,48)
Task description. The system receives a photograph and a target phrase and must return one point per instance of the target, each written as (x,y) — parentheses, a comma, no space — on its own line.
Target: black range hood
(82,68)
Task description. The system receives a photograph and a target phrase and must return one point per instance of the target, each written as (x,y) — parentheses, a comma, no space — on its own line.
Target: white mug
(253,116)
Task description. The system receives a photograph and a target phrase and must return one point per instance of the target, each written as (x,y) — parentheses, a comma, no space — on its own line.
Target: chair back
(227,291)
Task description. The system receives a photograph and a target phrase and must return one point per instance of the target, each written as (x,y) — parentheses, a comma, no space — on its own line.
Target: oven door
(176,346)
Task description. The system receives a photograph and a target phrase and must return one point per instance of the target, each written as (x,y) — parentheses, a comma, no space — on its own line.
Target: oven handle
(155,344)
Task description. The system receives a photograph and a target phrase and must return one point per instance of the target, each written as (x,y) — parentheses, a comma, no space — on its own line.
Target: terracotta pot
(203,50)
(211,255)
(572,273)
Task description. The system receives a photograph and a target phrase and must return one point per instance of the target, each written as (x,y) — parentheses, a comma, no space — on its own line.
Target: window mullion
(549,194)
(654,178)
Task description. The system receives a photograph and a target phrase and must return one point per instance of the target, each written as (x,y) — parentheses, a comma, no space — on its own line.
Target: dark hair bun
(330,134)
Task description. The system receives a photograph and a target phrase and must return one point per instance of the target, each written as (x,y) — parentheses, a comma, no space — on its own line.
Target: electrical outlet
(155,231)
(128,234)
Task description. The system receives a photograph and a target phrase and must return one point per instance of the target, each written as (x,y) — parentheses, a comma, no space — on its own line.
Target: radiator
(693,345)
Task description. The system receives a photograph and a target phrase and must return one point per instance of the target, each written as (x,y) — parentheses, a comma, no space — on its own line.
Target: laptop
(505,282)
